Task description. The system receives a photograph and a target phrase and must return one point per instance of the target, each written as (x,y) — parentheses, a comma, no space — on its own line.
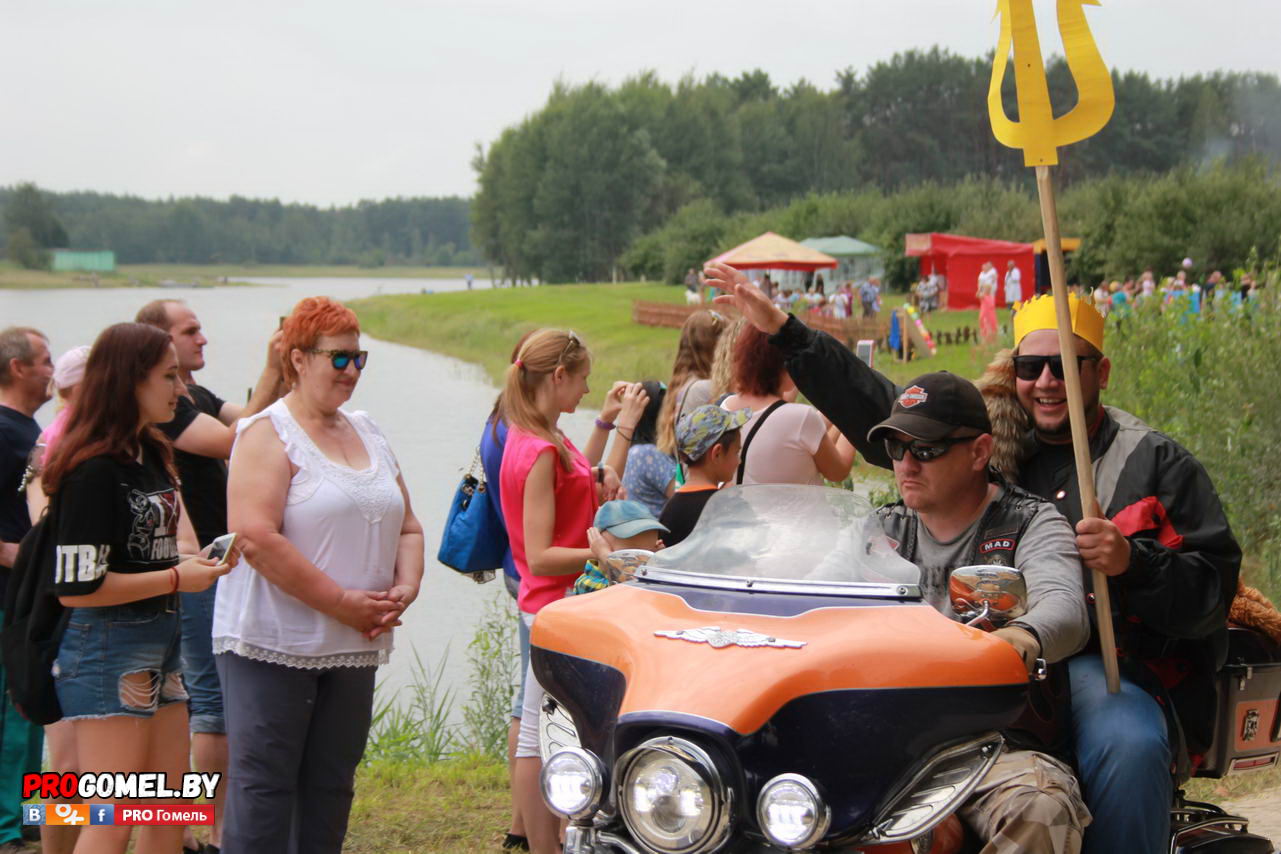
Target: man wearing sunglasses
(202,431)
(1164,542)
(957,511)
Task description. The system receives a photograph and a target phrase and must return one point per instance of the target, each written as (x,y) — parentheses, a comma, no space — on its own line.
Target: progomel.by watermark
(134,785)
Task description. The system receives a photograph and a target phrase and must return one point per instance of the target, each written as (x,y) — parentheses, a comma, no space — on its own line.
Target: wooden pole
(1076,415)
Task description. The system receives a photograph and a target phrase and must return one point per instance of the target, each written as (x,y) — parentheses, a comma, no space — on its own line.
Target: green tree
(29,208)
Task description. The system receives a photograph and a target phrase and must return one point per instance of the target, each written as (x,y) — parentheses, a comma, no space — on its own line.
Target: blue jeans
(198,670)
(21,743)
(1123,759)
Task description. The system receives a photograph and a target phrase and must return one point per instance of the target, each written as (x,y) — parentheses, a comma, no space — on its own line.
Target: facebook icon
(102,813)
(33,814)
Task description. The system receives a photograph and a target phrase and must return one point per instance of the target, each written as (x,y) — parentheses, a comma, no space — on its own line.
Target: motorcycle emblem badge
(718,638)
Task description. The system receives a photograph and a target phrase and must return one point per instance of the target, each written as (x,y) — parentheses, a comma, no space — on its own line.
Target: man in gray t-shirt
(955,512)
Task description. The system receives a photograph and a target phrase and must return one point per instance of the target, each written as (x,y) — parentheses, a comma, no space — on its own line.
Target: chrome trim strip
(991,743)
(862,589)
(618,842)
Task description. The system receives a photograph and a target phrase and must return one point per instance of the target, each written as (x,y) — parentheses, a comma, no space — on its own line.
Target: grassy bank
(151,275)
(482,326)
(460,805)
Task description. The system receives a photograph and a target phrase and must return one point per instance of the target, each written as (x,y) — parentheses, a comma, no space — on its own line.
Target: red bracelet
(174,570)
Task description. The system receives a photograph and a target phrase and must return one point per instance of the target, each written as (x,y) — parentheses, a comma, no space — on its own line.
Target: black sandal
(515,843)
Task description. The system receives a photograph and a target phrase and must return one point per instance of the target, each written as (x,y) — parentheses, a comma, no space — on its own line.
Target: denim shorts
(120,660)
(198,671)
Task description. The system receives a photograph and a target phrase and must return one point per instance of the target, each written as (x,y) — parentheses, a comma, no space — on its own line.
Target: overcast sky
(332,102)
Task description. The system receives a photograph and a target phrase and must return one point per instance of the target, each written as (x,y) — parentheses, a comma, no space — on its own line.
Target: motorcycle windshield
(789,533)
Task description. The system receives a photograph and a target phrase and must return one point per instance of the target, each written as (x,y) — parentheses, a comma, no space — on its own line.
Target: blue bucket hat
(626,519)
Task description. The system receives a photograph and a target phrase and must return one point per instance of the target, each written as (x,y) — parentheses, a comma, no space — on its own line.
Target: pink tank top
(575,511)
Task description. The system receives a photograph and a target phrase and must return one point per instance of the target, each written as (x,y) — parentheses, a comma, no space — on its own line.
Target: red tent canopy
(772,251)
(961,259)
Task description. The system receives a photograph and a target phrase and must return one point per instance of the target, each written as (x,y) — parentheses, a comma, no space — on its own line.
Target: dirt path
(1264,812)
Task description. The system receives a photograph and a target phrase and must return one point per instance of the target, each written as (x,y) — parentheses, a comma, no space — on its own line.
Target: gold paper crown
(1038,313)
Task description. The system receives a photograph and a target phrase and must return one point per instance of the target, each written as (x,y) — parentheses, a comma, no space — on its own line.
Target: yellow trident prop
(1039,134)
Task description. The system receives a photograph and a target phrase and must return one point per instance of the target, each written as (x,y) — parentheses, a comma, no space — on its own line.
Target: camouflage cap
(702,428)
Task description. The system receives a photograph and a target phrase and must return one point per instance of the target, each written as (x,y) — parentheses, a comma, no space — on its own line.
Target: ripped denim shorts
(120,660)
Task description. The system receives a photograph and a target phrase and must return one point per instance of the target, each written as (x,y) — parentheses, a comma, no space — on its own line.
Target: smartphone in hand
(220,547)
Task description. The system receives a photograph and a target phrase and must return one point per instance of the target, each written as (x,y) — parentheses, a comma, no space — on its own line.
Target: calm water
(431,407)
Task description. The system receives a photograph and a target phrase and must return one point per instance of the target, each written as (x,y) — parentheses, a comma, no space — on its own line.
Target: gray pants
(294,739)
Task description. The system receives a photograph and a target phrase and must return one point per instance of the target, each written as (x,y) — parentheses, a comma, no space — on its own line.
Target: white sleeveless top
(347,523)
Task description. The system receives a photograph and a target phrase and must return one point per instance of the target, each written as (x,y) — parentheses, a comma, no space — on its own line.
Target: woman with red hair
(794,444)
(333,556)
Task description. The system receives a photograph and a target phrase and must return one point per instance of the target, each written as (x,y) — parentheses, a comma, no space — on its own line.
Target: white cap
(69,370)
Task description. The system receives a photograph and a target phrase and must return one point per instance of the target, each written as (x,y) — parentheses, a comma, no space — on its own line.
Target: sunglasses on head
(340,359)
(923,451)
(1031,367)
(569,345)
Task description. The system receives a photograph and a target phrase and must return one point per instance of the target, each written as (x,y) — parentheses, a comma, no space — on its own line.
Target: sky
(333,102)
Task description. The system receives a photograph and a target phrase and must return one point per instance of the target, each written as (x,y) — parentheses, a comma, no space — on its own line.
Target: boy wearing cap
(708,443)
(618,525)
(1163,540)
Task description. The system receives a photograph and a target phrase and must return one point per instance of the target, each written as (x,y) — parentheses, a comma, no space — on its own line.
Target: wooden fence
(848,331)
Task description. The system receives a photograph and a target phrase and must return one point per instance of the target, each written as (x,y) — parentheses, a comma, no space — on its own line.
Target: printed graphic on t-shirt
(153,534)
(80,563)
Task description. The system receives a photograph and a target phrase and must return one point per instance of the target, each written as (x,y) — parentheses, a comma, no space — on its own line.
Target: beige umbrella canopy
(772,251)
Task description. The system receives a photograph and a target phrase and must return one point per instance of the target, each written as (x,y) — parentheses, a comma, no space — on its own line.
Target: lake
(431,408)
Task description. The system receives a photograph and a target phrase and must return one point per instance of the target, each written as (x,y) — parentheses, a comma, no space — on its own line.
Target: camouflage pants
(1028,803)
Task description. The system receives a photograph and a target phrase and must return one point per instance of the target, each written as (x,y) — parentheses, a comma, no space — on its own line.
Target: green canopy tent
(857,260)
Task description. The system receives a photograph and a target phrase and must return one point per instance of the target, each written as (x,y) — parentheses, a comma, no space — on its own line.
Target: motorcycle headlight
(791,812)
(672,798)
(572,781)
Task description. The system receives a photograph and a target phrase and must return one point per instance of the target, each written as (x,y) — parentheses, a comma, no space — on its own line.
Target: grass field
(482,326)
(150,275)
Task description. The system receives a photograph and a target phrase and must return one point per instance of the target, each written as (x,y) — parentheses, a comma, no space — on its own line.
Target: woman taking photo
(333,556)
(119,528)
(549,497)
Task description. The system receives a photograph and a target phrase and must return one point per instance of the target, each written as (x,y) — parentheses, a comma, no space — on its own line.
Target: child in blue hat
(618,525)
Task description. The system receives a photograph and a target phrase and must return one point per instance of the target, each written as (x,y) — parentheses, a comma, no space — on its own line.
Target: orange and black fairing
(877,685)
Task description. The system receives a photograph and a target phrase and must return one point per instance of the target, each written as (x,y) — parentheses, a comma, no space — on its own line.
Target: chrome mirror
(987,597)
(622,564)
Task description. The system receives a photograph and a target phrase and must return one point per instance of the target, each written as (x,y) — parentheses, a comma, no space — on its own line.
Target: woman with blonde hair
(549,499)
(694,354)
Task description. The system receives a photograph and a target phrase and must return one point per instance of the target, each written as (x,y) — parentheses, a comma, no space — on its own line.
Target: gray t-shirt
(1046,555)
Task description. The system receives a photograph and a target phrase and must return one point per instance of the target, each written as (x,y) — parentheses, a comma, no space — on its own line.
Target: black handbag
(475,540)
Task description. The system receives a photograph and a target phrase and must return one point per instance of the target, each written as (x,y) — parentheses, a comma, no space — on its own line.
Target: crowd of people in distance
(1217,292)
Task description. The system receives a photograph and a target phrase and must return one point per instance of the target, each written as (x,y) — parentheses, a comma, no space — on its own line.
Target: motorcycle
(777,682)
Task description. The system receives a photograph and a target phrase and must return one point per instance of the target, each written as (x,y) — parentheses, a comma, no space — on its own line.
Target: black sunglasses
(340,359)
(1031,367)
(923,451)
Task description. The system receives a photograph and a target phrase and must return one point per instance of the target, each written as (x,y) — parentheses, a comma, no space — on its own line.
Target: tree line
(415,231)
(572,192)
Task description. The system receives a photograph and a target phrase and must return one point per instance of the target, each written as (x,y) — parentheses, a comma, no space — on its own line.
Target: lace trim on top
(372,658)
(364,485)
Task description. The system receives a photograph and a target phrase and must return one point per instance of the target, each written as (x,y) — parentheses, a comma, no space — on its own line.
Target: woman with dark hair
(120,528)
(333,557)
(649,476)
(794,444)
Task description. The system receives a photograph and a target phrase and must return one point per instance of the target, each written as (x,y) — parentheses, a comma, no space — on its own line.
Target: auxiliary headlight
(791,812)
(671,797)
(573,780)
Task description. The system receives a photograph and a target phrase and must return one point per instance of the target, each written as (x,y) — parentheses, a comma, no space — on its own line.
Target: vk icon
(33,813)
(102,813)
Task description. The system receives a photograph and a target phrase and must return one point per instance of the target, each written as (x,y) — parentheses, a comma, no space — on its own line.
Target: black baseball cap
(934,406)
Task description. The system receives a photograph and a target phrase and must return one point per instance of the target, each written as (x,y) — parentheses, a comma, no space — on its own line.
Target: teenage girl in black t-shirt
(119,529)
